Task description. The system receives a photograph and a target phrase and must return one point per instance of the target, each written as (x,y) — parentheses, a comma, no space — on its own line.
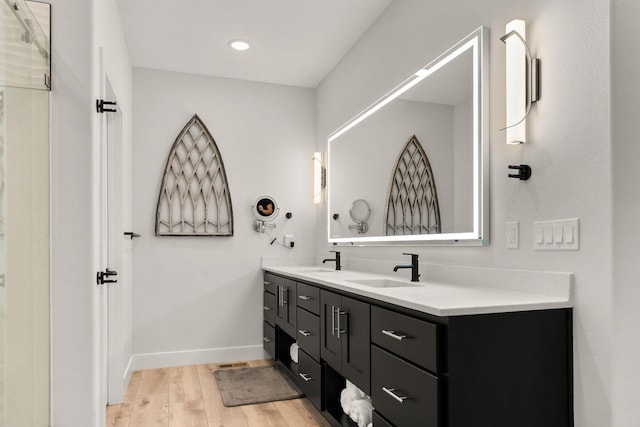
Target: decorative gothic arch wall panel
(194,197)
(413,206)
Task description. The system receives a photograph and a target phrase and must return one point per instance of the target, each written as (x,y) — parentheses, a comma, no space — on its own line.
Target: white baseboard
(194,357)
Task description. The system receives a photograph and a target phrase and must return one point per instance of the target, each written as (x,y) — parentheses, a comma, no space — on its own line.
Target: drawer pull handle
(266,339)
(305,377)
(394,335)
(304,297)
(304,333)
(266,283)
(392,392)
(266,308)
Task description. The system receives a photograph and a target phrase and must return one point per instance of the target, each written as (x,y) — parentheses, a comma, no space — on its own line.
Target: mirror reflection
(416,156)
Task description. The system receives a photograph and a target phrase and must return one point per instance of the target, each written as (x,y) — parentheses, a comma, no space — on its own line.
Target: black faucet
(415,277)
(336,260)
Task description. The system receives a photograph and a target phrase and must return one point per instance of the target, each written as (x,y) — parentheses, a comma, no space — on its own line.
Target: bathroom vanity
(429,354)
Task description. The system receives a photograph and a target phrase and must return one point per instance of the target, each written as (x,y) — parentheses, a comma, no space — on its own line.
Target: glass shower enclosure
(25,82)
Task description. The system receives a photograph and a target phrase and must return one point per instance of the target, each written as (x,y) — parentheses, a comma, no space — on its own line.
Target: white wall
(626,210)
(198,299)
(79,27)
(569,150)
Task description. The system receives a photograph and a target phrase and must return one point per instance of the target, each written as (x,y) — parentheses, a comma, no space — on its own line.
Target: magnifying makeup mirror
(360,212)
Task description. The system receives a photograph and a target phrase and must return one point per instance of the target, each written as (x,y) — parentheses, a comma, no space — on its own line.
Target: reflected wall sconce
(522,81)
(319,177)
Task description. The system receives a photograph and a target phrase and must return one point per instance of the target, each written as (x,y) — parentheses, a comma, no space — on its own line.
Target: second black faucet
(415,276)
(336,260)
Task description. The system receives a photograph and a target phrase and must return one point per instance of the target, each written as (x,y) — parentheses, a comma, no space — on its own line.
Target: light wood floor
(188,396)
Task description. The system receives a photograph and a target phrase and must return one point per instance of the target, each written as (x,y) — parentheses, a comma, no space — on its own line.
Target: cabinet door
(355,342)
(286,306)
(329,342)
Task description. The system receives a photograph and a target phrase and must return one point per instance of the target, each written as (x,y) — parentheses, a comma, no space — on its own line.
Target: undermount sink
(320,270)
(382,283)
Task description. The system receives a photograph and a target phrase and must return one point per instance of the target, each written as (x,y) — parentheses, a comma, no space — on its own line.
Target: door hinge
(100,106)
(102,277)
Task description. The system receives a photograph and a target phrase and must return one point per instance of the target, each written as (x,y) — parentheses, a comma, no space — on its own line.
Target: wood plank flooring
(188,396)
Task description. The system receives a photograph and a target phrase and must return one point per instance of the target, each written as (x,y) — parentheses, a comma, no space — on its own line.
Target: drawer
(410,338)
(310,374)
(270,283)
(378,421)
(403,393)
(308,335)
(269,339)
(309,298)
(269,307)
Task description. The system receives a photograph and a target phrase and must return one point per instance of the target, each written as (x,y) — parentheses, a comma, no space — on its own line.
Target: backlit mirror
(418,156)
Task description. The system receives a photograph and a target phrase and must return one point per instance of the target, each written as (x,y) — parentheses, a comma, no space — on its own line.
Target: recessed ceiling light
(239,45)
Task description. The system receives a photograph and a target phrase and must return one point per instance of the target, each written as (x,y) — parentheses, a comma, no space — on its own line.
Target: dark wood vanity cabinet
(345,337)
(483,370)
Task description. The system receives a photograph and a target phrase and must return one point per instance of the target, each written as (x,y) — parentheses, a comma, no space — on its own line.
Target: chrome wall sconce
(319,177)
(522,81)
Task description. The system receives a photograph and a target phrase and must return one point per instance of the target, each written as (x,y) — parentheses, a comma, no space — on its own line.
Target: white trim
(194,357)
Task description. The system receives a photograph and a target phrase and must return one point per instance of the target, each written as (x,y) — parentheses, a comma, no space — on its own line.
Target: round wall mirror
(265,208)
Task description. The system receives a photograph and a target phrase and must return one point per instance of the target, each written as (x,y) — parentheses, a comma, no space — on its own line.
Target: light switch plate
(557,235)
(512,237)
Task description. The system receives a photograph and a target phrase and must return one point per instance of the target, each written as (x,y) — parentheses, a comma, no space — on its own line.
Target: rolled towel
(347,396)
(293,352)
(370,425)
(361,412)
(356,390)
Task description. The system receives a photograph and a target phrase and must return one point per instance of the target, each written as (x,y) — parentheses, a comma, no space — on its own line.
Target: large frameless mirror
(418,156)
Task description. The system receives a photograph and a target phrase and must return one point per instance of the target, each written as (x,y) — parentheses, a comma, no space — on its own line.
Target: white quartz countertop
(437,297)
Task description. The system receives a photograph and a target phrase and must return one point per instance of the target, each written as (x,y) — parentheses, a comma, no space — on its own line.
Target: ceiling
(293,42)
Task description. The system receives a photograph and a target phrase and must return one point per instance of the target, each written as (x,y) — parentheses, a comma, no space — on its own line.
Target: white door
(112,247)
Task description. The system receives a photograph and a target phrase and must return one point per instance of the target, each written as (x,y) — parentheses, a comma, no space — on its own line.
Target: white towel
(347,396)
(293,352)
(361,412)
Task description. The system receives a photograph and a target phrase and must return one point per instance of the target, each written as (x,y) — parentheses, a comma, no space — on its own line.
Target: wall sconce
(319,177)
(522,81)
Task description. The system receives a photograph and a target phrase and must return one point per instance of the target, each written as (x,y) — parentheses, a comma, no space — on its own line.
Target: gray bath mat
(260,384)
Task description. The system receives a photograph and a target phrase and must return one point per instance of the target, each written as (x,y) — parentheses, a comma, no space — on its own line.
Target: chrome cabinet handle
(339,312)
(393,393)
(266,308)
(304,297)
(304,333)
(266,283)
(266,339)
(285,295)
(333,320)
(394,335)
(305,377)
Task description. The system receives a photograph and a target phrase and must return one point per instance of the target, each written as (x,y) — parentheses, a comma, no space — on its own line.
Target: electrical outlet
(512,235)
